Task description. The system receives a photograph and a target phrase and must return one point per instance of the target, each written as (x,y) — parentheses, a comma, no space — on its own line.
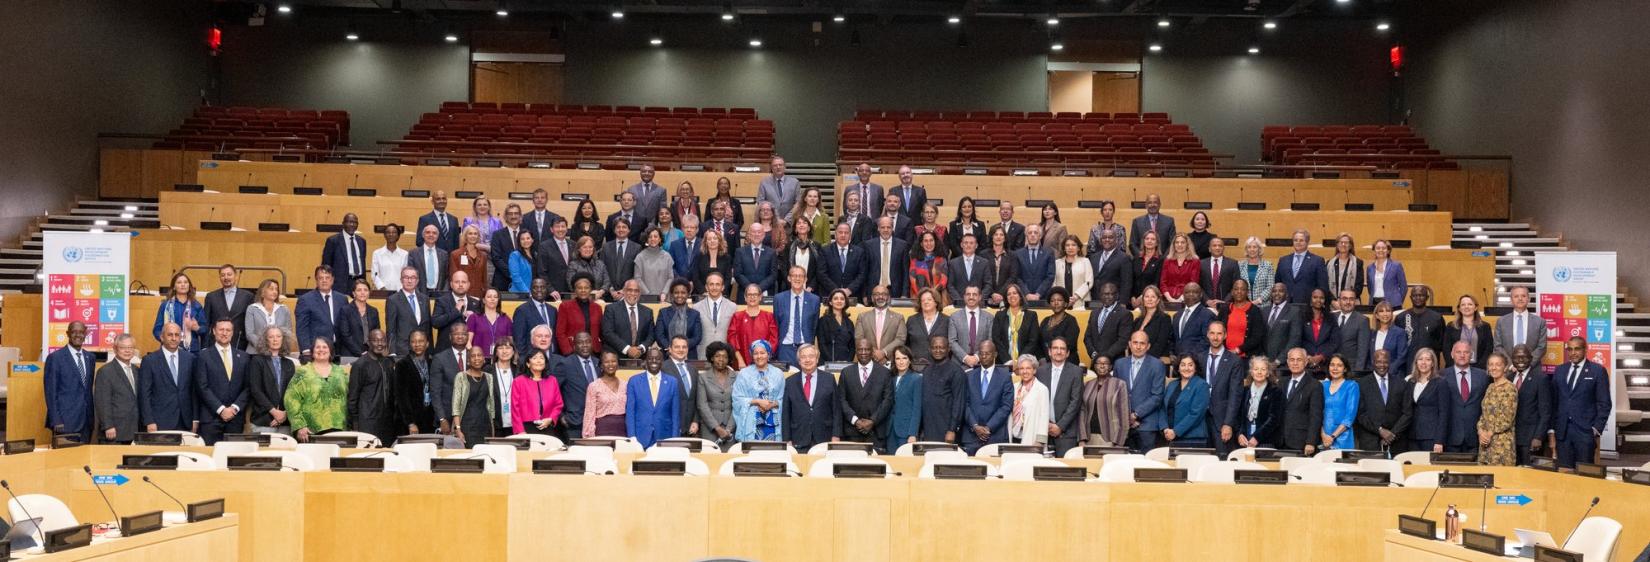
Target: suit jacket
(265,390)
(1313,275)
(648,420)
(1395,413)
(69,393)
(649,198)
(1067,396)
(402,318)
(1537,398)
(695,335)
(621,268)
(1146,390)
(1110,339)
(1142,223)
(217,389)
(870,195)
(541,230)
(808,424)
(333,254)
(503,245)
(526,318)
(759,270)
(1464,414)
(863,227)
(1426,329)
(1254,331)
(782,193)
(1013,240)
(1396,346)
(353,329)
(313,320)
(447,312)
(957,277)
(444,367)
(217,308)
(1354,341)
(448,240)
(1394,284)
(550,265)
(1283,332)
(872,400)
(893,330)
(911,200)
(638,222)
(1118,269)
(1535,333)
(1430,413)
(1225,382)
(834,274)
(813,271)
(898,263)
(959,331)
(1267,416)
(574,385)
(805,323)
(687,380)
(616,327)
(116,401)
(1217,288)
(1483,346)
(989,406)
(1583,402)
(416,260)
(683,257)
(714,328)
(1028,340)
(1302,414)
(168,403)
(1191,334)
(1037,274)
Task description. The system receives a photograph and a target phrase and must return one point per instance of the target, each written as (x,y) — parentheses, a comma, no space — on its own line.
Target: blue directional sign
(1520,499)
(111,479)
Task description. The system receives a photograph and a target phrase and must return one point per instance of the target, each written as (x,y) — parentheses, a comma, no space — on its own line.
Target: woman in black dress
(473,404)
(1015,329)
(1148,266)
(587,223)
(1004,266)
(835,330)
(1058,323)
(965,223)
(1156,323)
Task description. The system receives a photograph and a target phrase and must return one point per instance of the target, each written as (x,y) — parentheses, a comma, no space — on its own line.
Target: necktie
(562,244)
(80,365)
(1104,312)
(1518,329)
(887,256)
(1293,382)
(1032,251)
(538,223)
(229,297)
(864,375)
(1054,384)
(1382,379)
(589,372)
(1134,369)
(1153,220)
(1185,316)
(172,364)
(687,378)
(430,278)
(1214,365)
(544,314)
(985,380)
(1575,371)
(326,301)
(632,324)
(441,219)
(514,236)
(412,303)
(843,250)
(715,317)
(882,316)
(1214,277)
(808,388)
(1276,308)
(796,317)
(1297,268)
(968,268)
(653,387)
(126,368)
(228,366)
(973,331)
(1342,322)
(1466,391)
(906,200)
(756,256)
(1519,383)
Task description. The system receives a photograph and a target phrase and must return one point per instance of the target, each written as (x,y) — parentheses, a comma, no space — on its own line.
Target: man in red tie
(812,409)
(1466,400)
(970,325)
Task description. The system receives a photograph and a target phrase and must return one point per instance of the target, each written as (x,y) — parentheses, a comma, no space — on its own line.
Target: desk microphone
(99,487)
(163,491)
(1566,539)
(481,456)
(1434,496)
(375,453)
(37,523)
(1484,509)
(601,473)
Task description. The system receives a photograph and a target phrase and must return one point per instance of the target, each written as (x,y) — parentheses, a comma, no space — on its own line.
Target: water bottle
(1452,524)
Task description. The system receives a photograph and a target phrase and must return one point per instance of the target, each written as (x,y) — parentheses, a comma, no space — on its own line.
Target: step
(1490,226)
(114,212)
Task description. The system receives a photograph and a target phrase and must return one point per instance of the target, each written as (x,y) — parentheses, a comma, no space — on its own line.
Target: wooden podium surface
(1400,547)
(213,539)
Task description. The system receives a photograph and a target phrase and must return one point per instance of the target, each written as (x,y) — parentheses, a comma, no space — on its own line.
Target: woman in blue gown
(758,391)
(1340,405)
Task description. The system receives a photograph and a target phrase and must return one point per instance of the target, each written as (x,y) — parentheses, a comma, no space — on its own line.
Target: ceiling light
(1057,47)
(352,35)
(1270,25)
(618,14)
(1254,50)
(502,12)
(1383,26)
(655,41)
(284,8)
(727,16)
(953,19)
(1163,22)
(1053,21)
(1156,48)
(756,42)
(839,18)
(1343,1)
(452,37)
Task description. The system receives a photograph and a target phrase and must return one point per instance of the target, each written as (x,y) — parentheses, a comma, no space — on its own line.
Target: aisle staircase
(20,265)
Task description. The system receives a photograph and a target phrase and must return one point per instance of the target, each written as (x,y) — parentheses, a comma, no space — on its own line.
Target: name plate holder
(559,466)
(203,510)
(960,471)
(658,468)
(1264,477)
(1418,527)
(141,523)
(1487,543)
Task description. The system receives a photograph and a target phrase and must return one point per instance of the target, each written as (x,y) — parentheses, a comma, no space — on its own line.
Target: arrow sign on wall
(121,480)
(1520,499)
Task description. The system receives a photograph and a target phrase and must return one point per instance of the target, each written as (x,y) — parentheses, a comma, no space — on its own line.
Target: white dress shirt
(386,268)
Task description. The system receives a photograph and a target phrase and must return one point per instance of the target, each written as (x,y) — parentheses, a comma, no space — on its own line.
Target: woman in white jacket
(1028,424)
(1073,272)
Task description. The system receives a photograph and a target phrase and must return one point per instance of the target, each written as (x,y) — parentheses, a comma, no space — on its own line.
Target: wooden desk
(271,504)
(213,539)
(1399,547)
(497,183)
(1223,193)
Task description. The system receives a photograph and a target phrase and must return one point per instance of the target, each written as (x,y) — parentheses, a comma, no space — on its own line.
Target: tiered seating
(232,128)
(591,131)
(985,136)
(1382,146)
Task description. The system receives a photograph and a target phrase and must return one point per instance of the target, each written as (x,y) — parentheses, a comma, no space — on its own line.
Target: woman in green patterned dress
(317,398)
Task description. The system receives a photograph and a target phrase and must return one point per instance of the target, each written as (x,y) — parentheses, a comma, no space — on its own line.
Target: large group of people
(1257,353)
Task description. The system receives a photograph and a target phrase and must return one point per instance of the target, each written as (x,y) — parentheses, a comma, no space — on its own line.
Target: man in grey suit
(446,365)
(1152,221)
(778,189)
(430,261)
(968,270)
(715,312)
(1283,324)
(1521,326)
(870,194)
(114,394)
(1353,330)
(1065,392)
(406,311)
(649,196)
(970,325)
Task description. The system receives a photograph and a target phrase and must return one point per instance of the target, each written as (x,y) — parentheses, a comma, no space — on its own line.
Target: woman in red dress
(752,324)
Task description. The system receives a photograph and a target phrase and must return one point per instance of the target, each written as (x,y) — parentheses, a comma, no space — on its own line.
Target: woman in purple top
(481,215)
(491,325)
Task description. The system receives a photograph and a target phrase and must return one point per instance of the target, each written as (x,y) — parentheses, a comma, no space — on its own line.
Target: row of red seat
(576,109)
(1149,137)
(1279,143)
(458,122)
(236,127)
(1013,116)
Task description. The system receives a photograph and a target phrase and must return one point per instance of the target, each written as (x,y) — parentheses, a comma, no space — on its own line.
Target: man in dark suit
(115,396)
(221,386)
(843,264)
(1108,331)
(943,393)
(1283,324)
(1144,376)
(649,196)
(448,362)
(870,193)
(1191,324)
(68,382)
(867,397)
(1466,399)
(429,261)
(1225,372)
(858,219)
(1302,407)
(912,197)
(539,220)
(537,311)
(685,252)
(634,219)
(1014,236)
(1153,221)
(1036,265)
(1065,391)
(229,301)
(754,262)
(968,270)
(676,365)
(1302,271)
(722,221)
(812,407)
(346,252)
(502,244)
(1217,272)
(268,375)
(1533,423)
(447,226)
(406,311)
(578,370)
(904,226)
(886,248)
(1352,328)
(619,255)
(988,399)
(453,308)
(627,326)
(1583,394)
(552,256)
(1385,405)
(1424,325)
(166,386)
(320,312)
(1111,266)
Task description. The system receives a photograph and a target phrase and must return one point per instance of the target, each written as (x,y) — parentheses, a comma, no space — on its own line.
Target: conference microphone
(42,531)
(602,473)
(1484,509)
(1566,539)
(1434,496)
(481,456)
(168,494)
(376,453)
(99,486)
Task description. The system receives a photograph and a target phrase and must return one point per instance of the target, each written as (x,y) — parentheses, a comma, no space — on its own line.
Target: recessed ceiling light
(655,41)
(452,38)
(284,8)
(756,43)
(618,15)
(352,36)
(727,16)
(1163,22)
(1254,50)
(502,12)
(953,19)
(1156,48)
(1383,26)
(1343,1)
(1057,47)
(1270,25)
(839,18)
(1054,21)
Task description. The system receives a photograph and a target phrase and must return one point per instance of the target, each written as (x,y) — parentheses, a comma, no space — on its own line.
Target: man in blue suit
(68,382)
(446,225)
(537,311)
(844,264)
(1036,264)
(795,311)
(1191,324)
(346,251)
(1144,376)
(1583,389)
(1302,271)
(753,262)
(988,397)
(679,319)
(166,386)
(221,387)
(319,312)
(685,253)
(578,371)
(651,408)
(1226,372)
(1466,400)
(812,408)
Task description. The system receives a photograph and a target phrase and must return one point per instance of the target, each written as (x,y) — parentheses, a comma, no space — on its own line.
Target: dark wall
(1560,86)
(72,69)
